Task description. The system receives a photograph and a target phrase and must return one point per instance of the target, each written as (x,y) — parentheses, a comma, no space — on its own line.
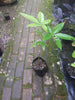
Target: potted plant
(46,33)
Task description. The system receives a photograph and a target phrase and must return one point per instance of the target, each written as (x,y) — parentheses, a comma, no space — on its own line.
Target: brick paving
(21,61)
(22,83)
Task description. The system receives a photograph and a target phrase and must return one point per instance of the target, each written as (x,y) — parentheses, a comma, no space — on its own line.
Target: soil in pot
(39,66)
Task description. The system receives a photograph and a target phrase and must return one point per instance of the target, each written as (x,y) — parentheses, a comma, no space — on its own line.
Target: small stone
(58,63)
(13,18)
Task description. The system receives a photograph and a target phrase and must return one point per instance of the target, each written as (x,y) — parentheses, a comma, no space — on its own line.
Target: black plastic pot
(40,67)
(6,16)
(6,2)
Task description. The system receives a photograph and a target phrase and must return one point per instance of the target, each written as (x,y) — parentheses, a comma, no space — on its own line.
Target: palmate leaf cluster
(48,31)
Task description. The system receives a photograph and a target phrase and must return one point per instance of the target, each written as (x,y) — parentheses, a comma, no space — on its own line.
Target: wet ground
(65,12)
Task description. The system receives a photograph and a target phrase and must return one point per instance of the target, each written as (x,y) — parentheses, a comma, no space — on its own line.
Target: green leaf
(46,37)
(49,29)
(64,36)
(5,75)
(44,28)
(39,31)
(38,42)
(29,17)
(43,45)
(58,43)
(34,25)
(58,28)
(73,54)
(41,17)
(73,64)
(46,21)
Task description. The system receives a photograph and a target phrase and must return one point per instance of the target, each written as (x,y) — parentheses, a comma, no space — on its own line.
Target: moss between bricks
(27,86)
(16,79)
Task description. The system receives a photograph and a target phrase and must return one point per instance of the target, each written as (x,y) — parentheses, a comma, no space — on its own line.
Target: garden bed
(68,71)
(64,12)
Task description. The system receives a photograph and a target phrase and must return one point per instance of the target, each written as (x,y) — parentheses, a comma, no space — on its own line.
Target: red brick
(31,37)
(6,94)
(27,94)
(12,64)
(24,42)
(38,98)
(21,56)
(28,63)
(27,76)
(37,86)
(29,49)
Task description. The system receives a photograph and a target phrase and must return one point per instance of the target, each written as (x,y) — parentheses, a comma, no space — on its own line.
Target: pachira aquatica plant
(47,32)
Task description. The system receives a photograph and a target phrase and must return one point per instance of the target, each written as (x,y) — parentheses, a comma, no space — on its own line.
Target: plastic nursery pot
(40,67)
(7,2)
(71,71)
(6,16)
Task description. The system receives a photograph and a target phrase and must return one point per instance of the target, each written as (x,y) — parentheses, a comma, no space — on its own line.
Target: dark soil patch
(39,66)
